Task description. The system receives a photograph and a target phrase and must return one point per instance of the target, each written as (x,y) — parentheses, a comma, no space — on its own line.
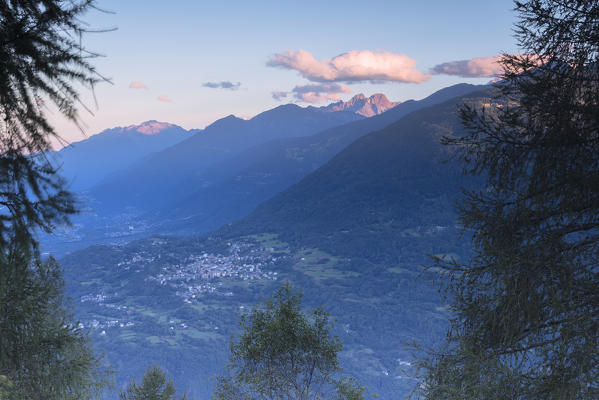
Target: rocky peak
(360,104)
(357,98)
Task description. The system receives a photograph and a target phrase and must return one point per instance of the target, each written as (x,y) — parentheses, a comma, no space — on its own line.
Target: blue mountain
(150,182)
(88,161)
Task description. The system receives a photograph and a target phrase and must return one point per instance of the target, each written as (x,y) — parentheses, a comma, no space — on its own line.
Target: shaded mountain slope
(148,183)
(219,193)
(382,188)
(232,189)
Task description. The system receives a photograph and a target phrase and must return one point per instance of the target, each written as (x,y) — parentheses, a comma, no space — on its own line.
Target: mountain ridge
(391,180)
(222,139)
(232,188)
(269,168)
(86,162)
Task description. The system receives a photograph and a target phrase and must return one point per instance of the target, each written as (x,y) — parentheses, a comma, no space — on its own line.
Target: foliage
(526,316)
(284,353)
(5,386)
(42,60)
(154,386)
(43,354)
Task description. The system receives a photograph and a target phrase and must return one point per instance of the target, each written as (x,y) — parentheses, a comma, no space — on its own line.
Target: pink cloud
(137,85)
(353,66)
(480,67)
(164,98)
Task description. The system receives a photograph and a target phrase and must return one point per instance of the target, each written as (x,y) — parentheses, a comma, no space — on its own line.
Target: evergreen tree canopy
(44,354)
(526,306)
(42,60)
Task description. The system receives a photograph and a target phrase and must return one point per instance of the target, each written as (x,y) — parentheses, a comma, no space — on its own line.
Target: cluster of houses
(190,277)
(205,273)
(109,323)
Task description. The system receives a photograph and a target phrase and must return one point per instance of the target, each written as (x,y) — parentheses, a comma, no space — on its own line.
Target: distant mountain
(150,182)
(227,190)
(86,162)
(366,106)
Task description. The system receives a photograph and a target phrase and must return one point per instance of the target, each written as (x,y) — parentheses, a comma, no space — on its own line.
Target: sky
(193,62)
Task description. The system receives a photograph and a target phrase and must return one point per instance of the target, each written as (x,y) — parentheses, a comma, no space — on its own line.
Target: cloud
(279,95)
(314,93)
(222,85)
(353,66)
(165,98)
(137,85)
(480,67)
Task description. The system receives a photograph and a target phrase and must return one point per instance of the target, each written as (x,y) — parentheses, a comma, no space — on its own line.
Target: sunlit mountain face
(366,106)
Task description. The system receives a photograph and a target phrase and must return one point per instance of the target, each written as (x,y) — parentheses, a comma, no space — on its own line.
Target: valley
(180,300)
(354,235)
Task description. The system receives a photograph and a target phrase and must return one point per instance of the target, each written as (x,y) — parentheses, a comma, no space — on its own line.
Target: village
(207,273)
(191,277)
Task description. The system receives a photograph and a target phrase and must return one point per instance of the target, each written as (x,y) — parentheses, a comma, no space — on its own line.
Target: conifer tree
(525,307)
(42,61)
(44,354)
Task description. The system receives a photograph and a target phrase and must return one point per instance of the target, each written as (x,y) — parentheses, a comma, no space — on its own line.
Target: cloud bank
(222,85)
(480,67)
(353,66)
(137,85)
(314,93)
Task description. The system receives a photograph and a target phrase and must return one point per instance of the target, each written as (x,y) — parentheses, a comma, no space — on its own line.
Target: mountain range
(364,199)
(232,189)
(151,180)
(86,162)
(160,194)
(373,200)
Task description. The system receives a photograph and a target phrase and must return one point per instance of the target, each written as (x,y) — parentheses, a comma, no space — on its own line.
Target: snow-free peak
(366,106)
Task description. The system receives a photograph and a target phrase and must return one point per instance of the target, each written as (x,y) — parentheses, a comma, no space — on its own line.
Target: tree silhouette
(525,319)
(43,351)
